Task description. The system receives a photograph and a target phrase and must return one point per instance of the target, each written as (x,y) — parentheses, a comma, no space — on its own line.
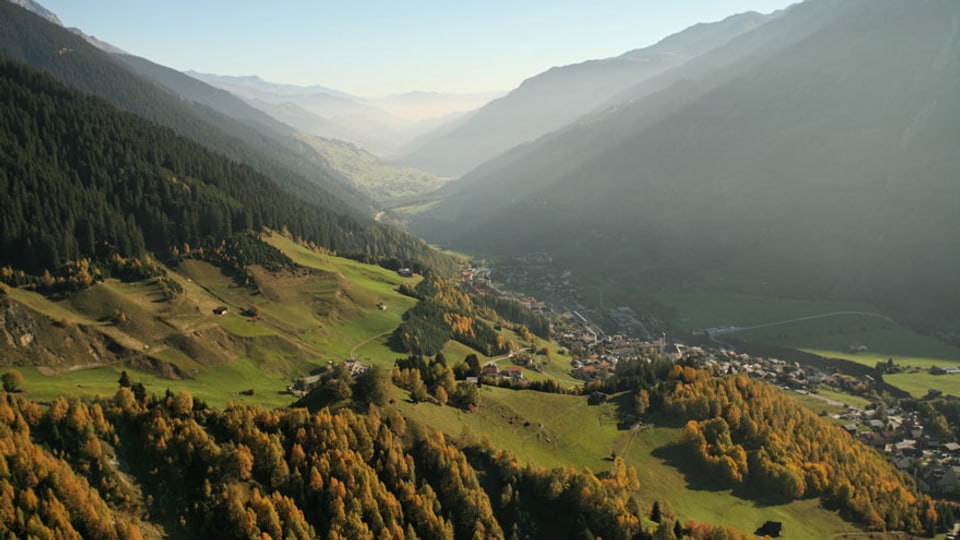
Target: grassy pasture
(829,336)
(705,309)
(918,384)
(217,386)
(415,208)
(849,399)
(333,315)
(353,331)
(306,319)
(552,430)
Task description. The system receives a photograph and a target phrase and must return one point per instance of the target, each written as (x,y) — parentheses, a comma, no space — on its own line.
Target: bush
(12,381)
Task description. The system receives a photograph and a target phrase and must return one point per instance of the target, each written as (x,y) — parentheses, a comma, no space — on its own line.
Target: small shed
(773,529)
(597,398)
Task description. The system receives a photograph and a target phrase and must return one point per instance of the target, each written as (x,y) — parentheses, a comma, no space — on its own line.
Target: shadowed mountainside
(816,159)
(560,95)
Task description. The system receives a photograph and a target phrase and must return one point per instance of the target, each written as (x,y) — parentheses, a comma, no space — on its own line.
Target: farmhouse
(490,370)
(512,372)
(597,398)
(355,367)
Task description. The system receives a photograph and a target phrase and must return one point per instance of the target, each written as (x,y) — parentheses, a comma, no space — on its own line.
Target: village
(930,454)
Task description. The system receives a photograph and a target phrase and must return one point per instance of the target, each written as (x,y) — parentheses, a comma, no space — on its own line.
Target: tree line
(248,472)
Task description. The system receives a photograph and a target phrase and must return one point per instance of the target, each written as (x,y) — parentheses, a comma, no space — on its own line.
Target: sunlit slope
(551,430)
(304,318)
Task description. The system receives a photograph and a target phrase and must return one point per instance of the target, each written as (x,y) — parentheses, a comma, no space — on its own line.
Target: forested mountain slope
(84,180)
(247,472)
(216,121)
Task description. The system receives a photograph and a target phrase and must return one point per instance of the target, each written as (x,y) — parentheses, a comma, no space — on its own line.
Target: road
(732,329)
(353,351)
(833,402)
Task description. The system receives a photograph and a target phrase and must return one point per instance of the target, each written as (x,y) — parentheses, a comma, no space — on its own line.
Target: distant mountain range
(278,137)
(809,152)
(812,155)
(559,96)
(379,125)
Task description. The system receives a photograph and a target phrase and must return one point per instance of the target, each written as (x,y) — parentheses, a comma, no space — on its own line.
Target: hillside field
(328,313)
(824,328)
(307,318)
(552,430)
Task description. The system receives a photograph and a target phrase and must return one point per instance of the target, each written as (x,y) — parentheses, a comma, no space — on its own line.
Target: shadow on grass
(696,476)
(700,478)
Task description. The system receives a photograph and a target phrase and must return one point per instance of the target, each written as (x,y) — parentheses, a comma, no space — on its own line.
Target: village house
(512,372)
(939,479)
(355,367)
(586,373)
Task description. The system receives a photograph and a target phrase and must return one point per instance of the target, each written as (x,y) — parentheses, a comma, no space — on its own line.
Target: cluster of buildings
(772,370)
(303,385)
(531,273)
(599,358)
(492,370)
(900,435)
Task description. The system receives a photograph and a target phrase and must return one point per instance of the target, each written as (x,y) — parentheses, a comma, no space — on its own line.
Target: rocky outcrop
(29,338)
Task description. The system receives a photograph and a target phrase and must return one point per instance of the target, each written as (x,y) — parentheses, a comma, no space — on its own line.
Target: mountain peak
(36,8)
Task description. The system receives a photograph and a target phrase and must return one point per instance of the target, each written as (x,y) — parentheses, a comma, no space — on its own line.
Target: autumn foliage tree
(12,381)
(43,495)
(746,431)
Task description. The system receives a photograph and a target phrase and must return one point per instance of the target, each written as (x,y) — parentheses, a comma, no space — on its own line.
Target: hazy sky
(379,47)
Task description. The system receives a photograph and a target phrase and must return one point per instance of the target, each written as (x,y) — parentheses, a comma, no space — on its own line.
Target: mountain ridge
(71,58)
(379,125)
(774,149)
(558,96)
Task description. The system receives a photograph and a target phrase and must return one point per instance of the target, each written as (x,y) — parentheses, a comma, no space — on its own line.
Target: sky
(374,48)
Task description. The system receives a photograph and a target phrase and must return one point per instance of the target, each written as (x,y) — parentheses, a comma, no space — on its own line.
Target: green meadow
(828,328)
(552,430)
(332,312)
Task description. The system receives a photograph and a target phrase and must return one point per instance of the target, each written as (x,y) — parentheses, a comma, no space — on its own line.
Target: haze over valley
(372,270)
